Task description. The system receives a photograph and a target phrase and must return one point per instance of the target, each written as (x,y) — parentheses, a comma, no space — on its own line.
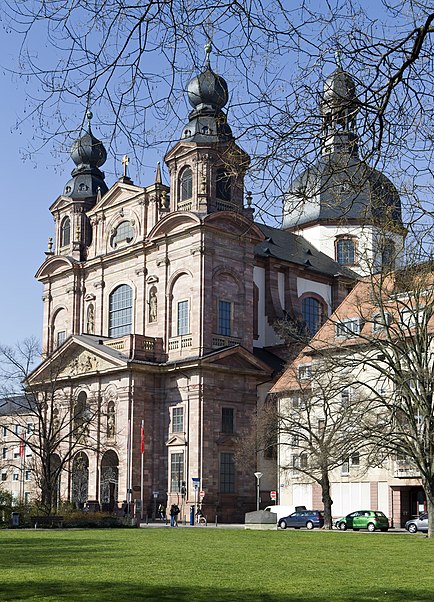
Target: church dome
(342,189)
(208,88)
(88,150)
(88,154)
(339,91)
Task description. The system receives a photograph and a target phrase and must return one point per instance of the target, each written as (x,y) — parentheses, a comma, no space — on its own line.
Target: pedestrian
(174,511)
(161,512)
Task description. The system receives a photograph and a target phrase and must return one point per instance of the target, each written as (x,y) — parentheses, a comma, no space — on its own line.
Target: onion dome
(207,94)
(88,154)
(339,91)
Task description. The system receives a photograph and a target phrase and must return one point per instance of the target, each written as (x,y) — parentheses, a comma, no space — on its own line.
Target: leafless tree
(43,419)
(316,420)
(132,63)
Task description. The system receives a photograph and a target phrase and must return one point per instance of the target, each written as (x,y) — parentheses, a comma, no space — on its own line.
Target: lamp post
(258,476)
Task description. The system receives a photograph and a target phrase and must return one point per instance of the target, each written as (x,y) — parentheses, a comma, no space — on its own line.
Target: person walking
(174,511)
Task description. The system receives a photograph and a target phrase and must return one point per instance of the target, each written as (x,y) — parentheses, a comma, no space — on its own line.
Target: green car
(364,519)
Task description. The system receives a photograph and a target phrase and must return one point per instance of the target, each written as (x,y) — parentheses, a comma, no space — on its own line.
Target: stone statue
(90,319)
(153,302)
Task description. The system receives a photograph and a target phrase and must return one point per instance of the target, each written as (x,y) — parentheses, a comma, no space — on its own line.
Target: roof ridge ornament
(338,58)
(208,50)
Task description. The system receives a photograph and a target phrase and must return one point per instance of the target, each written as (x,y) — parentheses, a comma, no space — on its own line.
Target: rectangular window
(27,497)
(4,476)
(28,475)
(5,453)
(227,473)
(345,468)
(176,471)
(355,459)
(225,318)
(345,396)
(183,317)
(178,420)
(305,371)
(227,420)
(348,328)
(15,476)
(29,428)
(17,429)
(5,432)
(16,452)
(60,338)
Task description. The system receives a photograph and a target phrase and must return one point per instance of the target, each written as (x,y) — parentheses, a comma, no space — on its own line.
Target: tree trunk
(429,492)
(327,500)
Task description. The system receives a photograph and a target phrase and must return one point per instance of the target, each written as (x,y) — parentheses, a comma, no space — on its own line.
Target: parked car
(364,519)
(303,518)
(420,523)
(282,511)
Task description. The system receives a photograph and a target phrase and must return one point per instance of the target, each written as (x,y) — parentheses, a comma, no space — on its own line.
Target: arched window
(80,480)
(120,311)
(65,232)
(346,251)
(123,234)
(109,480)
(186,184)
(223,185)
(312,312)
(80,414)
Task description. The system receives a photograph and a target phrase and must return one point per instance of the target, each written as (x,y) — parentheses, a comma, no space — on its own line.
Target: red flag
(142,437)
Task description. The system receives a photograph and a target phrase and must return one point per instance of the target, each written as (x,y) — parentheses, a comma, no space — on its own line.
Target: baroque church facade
(161,303)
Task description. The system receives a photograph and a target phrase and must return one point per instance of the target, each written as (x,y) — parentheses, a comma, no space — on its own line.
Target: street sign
(196,482)
(273,495)
(201,494)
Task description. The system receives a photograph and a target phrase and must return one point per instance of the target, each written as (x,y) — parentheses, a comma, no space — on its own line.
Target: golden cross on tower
(125,161)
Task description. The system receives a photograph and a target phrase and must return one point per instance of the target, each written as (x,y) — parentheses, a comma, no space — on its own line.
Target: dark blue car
(303,518)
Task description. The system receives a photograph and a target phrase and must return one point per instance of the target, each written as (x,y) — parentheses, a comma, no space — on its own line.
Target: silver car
(419,523)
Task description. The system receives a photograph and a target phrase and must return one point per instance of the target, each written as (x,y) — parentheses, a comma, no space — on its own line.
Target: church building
(162,303)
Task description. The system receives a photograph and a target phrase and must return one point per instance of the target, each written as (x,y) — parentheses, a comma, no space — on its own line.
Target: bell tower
(206,166)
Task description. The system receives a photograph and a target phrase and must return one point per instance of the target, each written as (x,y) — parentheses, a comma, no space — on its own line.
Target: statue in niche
(111,421)
(153,303)
(90,325)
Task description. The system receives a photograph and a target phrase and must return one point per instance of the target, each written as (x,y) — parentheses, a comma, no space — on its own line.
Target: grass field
(214,565)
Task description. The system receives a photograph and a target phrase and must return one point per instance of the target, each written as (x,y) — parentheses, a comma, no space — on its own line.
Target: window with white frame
(355,459)
(176,471)
(60,337)
(380,321)
(29,428)
(16,453)
(410,317)
(346,251)
(5,431)
(28,475)
(297,401)
(4,476)
(183,317)
(305,371)
(5,453)
(16,476)
(120,311)
(17,429)
(345,468)
(348,328)
(177,420)
(224,326)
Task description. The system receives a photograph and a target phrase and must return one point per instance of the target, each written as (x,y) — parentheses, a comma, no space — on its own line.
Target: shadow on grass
(93,591)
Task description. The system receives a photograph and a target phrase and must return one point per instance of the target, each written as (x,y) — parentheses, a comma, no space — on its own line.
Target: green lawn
(214,565)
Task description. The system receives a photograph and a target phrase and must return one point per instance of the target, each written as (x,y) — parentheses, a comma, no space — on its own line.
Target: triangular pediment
(236,359)
(119,194)
(77,359)
(176,439)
